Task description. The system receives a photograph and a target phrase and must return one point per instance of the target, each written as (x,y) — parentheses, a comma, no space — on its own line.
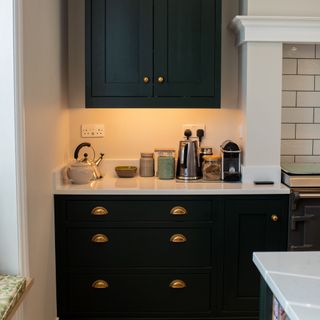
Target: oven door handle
(309,195)
(295,219)
(301,248)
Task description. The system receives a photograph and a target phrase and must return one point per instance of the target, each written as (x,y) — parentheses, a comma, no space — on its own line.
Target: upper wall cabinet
(153,53)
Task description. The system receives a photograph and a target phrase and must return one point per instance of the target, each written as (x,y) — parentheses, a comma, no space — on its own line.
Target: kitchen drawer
(153,247)
(138,293)
(138,210)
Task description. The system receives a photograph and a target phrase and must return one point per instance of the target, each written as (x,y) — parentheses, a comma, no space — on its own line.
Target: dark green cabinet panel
(249,227)
(129,41)
(121,47)
(184,48)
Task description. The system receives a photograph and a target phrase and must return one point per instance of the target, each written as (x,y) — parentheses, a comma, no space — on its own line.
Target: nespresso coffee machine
(231,167)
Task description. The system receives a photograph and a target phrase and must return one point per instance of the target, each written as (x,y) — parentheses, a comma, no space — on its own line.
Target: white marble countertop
(110,184)
(294,279)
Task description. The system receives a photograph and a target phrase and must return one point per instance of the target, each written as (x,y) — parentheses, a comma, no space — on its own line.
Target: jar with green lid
(211,168)
(166,164)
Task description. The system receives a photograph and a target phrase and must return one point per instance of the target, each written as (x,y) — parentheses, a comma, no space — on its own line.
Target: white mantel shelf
(276,29)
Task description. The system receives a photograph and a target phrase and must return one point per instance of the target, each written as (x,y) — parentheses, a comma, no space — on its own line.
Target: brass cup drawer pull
(99,238)
(100,284)
(177,284)
(178,238)
(178,211)
(99,211)
(274,218)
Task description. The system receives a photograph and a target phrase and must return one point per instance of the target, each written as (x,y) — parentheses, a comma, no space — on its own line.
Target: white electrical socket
(92,130)
(193,128)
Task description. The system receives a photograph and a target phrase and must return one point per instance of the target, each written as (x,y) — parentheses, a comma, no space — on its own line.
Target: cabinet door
(186,42)
(119,45)
(251,224)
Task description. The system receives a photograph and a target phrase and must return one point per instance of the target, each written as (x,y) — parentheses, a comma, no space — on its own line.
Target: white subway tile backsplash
(289,66)
(287,159)
(317,83)
(309,159)
(288,131)
(296,147)
(297,82)
(317,115)
(308,66)
(316,147)
(299,50)
(318,51)
(308,99)
(289,98)
(308,131)
(297,115)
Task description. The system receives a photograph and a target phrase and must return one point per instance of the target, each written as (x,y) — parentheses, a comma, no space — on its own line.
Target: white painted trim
(263,173)
(276,29)
(20,141)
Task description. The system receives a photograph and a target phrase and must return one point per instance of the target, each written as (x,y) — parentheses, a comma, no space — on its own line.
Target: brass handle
(177,284)
(178,211)
(146,79)
(161,79)
(178,238)
(100,284)
(99,211)
(274,218)
(100,238)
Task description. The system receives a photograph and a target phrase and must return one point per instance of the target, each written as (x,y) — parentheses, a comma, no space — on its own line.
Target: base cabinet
(163,257)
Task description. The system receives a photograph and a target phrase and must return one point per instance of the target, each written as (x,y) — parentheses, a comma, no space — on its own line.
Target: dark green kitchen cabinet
(163,257)
(256,223)
(153,53)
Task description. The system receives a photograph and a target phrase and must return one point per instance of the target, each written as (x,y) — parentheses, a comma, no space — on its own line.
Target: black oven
(304,219)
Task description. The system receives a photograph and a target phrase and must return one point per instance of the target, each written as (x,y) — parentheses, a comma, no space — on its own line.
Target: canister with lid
(146,165)
(211,168)
(165,164)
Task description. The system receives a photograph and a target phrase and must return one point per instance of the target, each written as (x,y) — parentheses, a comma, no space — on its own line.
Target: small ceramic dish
(126,171)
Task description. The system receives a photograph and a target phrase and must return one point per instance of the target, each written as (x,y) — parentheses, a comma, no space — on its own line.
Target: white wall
(129,131)
(9,245)
(47,141)
(281,7)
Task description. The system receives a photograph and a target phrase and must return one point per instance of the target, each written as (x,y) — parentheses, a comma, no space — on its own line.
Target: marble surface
(294,279)
(110,184)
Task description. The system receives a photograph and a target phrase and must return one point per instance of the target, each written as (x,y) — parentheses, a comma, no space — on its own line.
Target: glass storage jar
(165,164)
(211,168)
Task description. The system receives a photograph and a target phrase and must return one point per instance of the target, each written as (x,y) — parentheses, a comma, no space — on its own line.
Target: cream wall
(129,131)
(280,7)
(47,140)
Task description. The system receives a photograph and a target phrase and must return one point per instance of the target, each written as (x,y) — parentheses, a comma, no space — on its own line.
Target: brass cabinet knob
(99,211)
(178,211)
(274,218)
(177,284)
(160,79)
(146,79)
(178,238)
(99,238)
(100,284)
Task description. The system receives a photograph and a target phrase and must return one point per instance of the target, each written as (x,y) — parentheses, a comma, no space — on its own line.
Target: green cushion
(11,289)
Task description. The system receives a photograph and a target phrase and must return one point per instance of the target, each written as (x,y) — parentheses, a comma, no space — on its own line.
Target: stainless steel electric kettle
(188,165)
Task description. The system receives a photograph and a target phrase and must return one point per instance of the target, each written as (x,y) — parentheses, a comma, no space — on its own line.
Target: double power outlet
(193,128)
(92,130)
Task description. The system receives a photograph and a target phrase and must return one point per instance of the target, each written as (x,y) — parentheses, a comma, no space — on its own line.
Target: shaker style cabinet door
(153,53)
(185,49)
(119,48)
(251,224)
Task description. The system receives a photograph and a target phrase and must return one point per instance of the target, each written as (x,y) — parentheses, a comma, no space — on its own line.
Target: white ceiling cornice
(276,29)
